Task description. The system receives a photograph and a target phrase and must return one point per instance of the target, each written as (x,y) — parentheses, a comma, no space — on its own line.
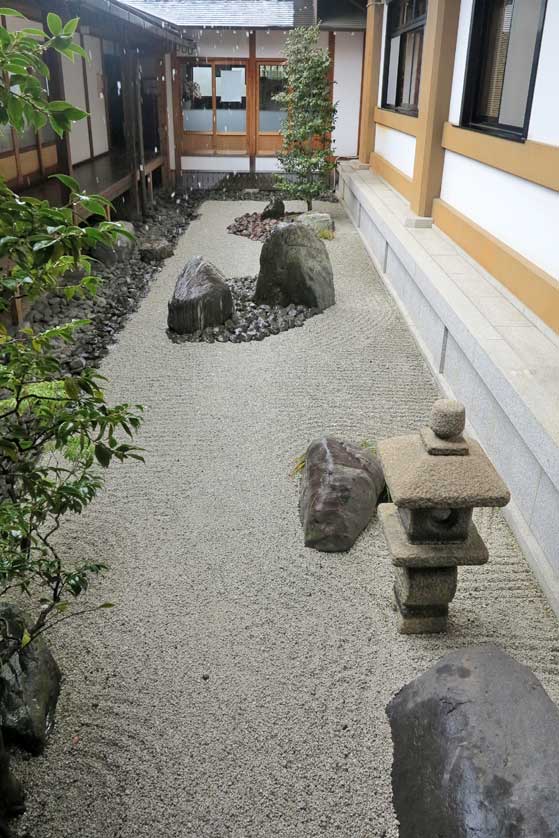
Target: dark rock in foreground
(295,268)
(340,488)
(275,208)
(476,750)
(29,687)
(201,298)
(11,793)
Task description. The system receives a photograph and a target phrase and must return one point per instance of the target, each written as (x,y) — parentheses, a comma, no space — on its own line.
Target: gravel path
(238,689)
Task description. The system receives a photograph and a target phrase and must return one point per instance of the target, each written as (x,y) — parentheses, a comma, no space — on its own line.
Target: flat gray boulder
(201,298)
(476,750)
(156,250)
(29,687)
(320,222)
(295,268)
(339,490)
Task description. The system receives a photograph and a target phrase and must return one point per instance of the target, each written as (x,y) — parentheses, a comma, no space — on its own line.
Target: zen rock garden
(295,283)
(467,732)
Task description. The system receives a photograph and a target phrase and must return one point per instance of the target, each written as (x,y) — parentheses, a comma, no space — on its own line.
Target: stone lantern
(435,478)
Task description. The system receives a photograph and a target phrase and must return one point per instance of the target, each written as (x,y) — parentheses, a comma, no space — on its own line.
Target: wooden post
(252,101)
(434,101)
(128,105)
(87,101)
(176,90)
(371,76)
(140,129)
(56,90)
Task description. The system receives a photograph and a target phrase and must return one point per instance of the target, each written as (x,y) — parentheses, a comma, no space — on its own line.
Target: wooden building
(221,113)
(122,146)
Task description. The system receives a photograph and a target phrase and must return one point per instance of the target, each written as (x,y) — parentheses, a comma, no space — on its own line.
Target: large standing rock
(11,793)
(295,268)
(201,298)
(275,208)
(29,687)
(339,491)
(476,750)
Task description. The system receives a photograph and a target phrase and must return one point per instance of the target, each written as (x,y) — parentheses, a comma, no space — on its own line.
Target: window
(197,101)
(271,82)
(214,98)
(502,64)
(402,55)
(230,99)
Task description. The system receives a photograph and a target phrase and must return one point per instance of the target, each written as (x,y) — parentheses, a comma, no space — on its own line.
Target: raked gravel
(239,686)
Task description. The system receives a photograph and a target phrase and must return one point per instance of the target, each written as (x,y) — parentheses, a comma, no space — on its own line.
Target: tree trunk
(309,204)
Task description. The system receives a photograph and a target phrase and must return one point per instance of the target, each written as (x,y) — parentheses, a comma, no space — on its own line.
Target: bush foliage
(57,432)
(306,153)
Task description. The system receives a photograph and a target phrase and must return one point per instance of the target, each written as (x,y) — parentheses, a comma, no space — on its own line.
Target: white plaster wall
(220,43)
(170,123)
(267,164)
(544,120)
(396,147)
(460,58)
(215,164)
(521,214)
(348,62)
(270,43)
(94,70)
(74,92)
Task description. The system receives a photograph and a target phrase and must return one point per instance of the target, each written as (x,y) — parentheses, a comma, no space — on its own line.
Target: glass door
(214,107)
(271,115)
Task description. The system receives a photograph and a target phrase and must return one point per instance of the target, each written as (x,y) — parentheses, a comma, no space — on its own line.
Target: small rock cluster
(126,280)
(249,321)
(251,225)
(295,282)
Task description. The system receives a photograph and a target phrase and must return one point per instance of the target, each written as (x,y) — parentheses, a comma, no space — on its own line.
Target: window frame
(473,73)
(416,24)
(214,63)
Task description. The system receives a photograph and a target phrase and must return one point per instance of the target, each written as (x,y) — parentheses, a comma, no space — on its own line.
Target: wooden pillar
(87,101)
(176,92)
(252,101)
(129,108)
(137,75)
(56,92)
(162,116)
(371,76)
(434,101)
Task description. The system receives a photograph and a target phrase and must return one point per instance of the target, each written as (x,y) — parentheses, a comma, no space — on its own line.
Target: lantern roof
(439,467)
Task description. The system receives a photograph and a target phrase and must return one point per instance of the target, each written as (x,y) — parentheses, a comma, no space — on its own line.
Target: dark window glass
(403,54)
(271,82)
(502,64)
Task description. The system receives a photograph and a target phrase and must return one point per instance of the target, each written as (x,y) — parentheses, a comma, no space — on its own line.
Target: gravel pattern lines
(238,688)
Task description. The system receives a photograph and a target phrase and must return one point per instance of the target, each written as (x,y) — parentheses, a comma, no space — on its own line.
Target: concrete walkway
(238,688)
